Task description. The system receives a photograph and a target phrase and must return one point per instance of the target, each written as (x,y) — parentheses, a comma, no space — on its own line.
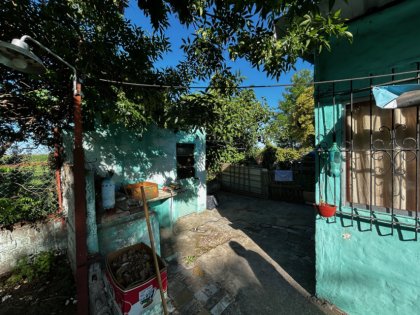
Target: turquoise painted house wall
(150,157)
(134,158)
(359,269)
(107,237)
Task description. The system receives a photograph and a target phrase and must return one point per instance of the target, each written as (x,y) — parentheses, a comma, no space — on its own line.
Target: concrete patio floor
(248,256)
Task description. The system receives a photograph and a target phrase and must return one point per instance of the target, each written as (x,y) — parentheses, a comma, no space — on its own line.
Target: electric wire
(160,86)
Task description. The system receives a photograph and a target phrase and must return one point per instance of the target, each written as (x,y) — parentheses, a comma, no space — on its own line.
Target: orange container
(326,210)
(150,190)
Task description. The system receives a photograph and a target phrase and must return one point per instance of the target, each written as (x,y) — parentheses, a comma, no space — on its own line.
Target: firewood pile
(132,267)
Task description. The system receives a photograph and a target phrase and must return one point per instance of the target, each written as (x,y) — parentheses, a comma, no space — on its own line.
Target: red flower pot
(326,210)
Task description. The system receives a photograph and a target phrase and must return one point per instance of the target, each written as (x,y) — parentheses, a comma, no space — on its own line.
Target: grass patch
(31,268)
(38,158)
(189,260)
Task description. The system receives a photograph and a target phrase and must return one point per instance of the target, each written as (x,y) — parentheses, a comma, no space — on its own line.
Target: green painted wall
(363,270)
(127,231)
(150,157)
(134,158)
(367,272)
(124,231)
(382,40)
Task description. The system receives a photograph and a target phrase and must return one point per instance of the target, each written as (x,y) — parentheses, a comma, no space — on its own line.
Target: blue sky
(176,32)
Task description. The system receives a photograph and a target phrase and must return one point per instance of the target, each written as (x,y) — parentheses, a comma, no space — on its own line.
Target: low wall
(27,240)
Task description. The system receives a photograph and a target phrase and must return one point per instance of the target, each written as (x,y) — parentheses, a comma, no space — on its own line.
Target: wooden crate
(150,189)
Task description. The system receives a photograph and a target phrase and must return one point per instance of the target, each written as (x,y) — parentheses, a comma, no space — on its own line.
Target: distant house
(368,255)
(158,155)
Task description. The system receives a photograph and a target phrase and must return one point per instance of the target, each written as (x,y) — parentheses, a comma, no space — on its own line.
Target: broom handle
(152,245)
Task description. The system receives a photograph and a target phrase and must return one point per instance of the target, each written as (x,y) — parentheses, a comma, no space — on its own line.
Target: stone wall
(32,239)
(27,240)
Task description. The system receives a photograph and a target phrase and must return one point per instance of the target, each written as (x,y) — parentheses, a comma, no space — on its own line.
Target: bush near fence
(272,157)
(260,182)
(27,188)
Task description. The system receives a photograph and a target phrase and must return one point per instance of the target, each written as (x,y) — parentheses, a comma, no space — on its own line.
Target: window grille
(185,160)
(380,152)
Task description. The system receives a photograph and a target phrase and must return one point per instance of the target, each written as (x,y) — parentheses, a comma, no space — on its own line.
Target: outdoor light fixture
(18,56)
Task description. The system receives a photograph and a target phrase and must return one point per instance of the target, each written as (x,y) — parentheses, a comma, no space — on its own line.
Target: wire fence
(28,189)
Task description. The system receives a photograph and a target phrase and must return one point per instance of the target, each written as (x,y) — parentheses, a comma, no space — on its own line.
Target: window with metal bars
(382,164)
(380,176)
(185,160)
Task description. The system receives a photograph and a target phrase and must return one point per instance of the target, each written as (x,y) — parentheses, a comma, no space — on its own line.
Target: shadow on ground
(283,230)
(248,256)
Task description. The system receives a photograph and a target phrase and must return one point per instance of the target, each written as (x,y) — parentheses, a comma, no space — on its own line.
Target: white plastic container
(108,193)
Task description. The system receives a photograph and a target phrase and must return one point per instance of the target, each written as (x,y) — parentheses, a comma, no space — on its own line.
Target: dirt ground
(52,293)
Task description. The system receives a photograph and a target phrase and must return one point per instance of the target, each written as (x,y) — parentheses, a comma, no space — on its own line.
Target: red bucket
(326,210)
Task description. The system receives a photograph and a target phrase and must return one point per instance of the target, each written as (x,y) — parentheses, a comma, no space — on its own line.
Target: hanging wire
(160,86)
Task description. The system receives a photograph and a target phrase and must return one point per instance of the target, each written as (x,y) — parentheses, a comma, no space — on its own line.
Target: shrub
(269,156)
(273,157)
(32,267)
(286,156)
(27,189)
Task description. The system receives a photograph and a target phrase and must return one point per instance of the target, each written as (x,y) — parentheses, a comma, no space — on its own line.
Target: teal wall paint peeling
(150,157)
(363,270)
(127,231)
(163,211)
(134,158)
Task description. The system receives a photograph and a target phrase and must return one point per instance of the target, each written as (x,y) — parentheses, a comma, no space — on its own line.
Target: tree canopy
(232,118)
(293,125)
(245,29)
(95,36)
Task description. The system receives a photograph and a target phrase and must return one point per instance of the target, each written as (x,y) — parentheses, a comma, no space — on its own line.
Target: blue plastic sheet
(387,96)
